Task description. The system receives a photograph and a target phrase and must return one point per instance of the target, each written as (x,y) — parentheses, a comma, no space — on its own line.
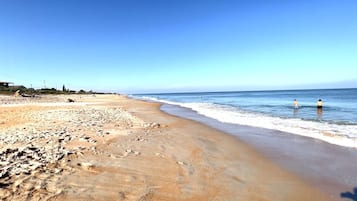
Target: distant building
(5,84)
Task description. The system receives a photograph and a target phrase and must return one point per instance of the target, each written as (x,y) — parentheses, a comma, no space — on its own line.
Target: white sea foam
(343,135)
(147,98)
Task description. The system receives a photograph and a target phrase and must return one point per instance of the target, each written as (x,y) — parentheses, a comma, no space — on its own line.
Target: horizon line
(232,91)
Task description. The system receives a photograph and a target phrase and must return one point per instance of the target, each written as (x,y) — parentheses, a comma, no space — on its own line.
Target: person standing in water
(296,104)
(319,103)
(319,110)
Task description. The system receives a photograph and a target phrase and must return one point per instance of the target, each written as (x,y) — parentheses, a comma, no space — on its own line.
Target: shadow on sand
(350,195)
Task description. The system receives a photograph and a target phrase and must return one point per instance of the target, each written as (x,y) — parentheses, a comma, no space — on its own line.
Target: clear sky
(138,46)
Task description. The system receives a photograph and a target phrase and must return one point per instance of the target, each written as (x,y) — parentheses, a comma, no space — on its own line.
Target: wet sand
(329,167)
(115,148)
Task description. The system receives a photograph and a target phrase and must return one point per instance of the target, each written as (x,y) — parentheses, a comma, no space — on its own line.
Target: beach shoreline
(115,148)
(330,168)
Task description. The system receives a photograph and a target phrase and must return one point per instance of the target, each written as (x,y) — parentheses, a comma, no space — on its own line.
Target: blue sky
(179,45)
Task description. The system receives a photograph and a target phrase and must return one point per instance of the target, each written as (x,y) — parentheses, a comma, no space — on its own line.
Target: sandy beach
(110,147)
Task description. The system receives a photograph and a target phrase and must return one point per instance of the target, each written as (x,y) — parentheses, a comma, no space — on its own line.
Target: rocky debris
(6,100)
(18,135)
(180,163)
(27,159)
(86,165)
(139,139)
(129,152)
(152,125)
(159,155)
(87,139)
(93,118)
(15,161)
(31,150)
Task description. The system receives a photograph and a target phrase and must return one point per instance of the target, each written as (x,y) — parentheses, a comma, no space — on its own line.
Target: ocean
(335,123)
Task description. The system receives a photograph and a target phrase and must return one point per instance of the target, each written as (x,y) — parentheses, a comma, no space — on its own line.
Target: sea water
(335,123)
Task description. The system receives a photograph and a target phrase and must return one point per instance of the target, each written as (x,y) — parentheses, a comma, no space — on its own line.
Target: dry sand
(114,148)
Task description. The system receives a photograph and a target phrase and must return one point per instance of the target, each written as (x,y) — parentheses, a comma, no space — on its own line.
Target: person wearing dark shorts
(319,103)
